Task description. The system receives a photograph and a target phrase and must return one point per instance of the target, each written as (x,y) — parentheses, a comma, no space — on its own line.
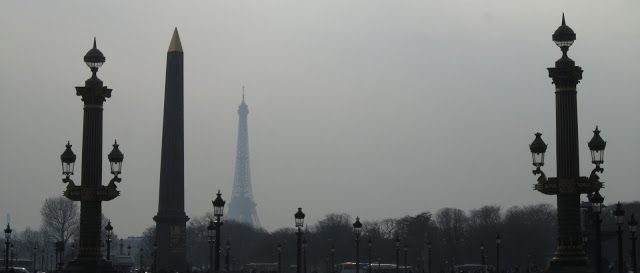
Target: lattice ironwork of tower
(242,208)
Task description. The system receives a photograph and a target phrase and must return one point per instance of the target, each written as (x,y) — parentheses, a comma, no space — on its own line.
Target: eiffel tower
(242,208)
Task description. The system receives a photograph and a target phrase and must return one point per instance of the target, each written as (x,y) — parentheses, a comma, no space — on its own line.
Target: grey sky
(374,108)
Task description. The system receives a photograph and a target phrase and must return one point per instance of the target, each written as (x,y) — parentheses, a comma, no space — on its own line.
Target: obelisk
(171,219)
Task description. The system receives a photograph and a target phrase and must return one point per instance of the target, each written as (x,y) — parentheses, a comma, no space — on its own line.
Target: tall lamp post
(369,246)
(397,255)
(406,250)
(596,201)
(569,255)
(633,227)
(482,260)
(357,231)
(7,244)
(304,255)
(109,232)
(218,209)
(211,229)
(35,261)
(498,242)
(429,249)
(91,193)
(619,214)
(279,248)
(333,254)
(299,221)
(227,259)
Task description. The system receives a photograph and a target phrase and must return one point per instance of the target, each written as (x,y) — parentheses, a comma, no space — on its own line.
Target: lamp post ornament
(91,193)
(569,256)
(218,209)
(357,230)
(596,201)
(299,221)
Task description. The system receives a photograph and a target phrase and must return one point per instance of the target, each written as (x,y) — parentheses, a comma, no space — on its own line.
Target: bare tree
(60,218)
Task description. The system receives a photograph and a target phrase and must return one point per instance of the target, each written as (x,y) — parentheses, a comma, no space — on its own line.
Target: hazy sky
(374,108)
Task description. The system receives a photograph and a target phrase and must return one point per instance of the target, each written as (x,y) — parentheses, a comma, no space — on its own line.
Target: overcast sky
(373,108)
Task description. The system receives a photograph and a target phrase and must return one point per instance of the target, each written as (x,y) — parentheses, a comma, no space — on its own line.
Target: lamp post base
(570,259)
(94,266)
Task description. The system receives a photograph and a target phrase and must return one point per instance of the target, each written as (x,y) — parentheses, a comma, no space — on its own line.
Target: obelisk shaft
(171,218)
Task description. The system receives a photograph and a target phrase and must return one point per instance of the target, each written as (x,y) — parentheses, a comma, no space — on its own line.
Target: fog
(373,108)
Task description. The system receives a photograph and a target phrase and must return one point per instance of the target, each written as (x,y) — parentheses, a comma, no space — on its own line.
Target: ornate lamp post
(369,246)
(227,259)
(357,231)
(429,249)
(569,255)
(633,227)
(299,221)
(109,230)
(211,229)
(279,248)
(406,249)
(218,209)
(498,242)
(397,255)
(619,214)
(7,244)
(596,201)
(91,193)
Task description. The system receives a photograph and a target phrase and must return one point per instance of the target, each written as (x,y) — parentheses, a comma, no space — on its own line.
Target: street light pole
(109,230)
(35,261)
(7,244)
(279,248)
(498,242)
(568,185)
(482,261)
(369,245)
(429,247)
(619,214)
(227,259)
(333,253)
(357,230)
(406,249)
(218,209)
(596,201)
(304,255)
(299,221)
(397,255)
(212,233)
(633,227)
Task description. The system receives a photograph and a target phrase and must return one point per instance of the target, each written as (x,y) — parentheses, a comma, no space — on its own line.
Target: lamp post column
(429,247)
(7,244)
(299,221)
(619,214)
(397,255)
(369,245)
(357,230)
(227,259)
(279,248)
(406,250)
(212,230)
(218,209)
(633,227)
(333,253)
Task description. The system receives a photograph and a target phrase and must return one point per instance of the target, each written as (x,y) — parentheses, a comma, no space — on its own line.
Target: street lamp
(633,227)
(369,246)
(406,249)
(35,260)
(211,229)
(429,248)
(333,253)
(304,255)
(90,192)
(568,185)
(619,214)
(596,201)
(218,209)
(109,230)
(299,221)
(498,242)
(482,260)
(227,259)
(7,244)
(279,248)
(357,231)
(397,255)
